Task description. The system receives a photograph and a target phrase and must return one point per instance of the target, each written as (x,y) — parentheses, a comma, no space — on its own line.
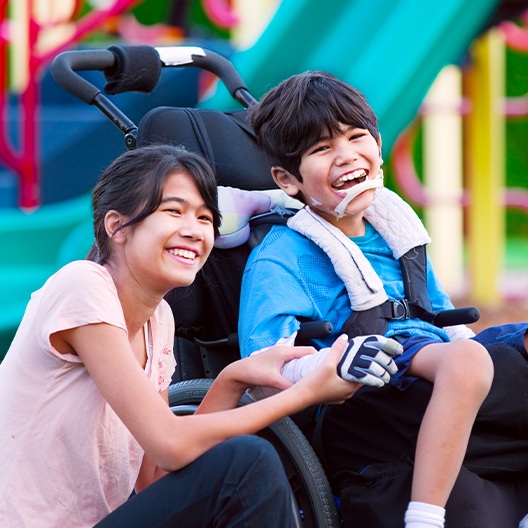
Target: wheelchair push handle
(177,56)
(64,70)
(65,66)
(137,68)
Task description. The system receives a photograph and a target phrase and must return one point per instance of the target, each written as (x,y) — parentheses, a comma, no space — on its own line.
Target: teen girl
(84,419)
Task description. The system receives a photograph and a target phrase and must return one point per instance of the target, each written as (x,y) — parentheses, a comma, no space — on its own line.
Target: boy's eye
(206,218)
(318,148)
(356,135)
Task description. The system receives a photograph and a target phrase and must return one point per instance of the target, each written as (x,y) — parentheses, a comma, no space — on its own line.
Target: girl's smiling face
(333,165)
(168,248)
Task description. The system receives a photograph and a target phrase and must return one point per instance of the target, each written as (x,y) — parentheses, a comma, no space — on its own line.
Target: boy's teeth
(349,177)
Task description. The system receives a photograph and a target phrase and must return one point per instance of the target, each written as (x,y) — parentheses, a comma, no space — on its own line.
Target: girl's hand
(323,384)
(260,369)
(264,368)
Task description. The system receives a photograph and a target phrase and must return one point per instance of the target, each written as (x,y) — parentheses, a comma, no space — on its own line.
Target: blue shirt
(288,278)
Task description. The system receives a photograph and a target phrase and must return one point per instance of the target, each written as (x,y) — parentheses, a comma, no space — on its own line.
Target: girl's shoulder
(80,274)
(80,282)
(78,268)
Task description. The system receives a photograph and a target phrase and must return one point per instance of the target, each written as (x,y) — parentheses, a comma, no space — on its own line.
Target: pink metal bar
(220,13)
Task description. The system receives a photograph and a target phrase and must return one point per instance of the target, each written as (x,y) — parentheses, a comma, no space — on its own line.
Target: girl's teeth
(182,253)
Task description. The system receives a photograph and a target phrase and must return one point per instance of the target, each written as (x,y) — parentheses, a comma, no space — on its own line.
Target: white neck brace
(353,192)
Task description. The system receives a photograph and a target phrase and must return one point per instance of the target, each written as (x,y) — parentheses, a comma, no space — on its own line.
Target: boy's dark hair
(294,115)
(133,186)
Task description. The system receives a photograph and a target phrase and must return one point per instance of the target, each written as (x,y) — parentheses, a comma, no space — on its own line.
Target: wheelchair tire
(310,487)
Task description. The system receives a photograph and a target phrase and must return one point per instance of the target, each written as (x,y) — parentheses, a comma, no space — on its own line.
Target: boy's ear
(286,181)
(379,143)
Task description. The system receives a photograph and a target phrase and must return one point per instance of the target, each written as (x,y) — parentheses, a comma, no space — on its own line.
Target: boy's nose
(345,152)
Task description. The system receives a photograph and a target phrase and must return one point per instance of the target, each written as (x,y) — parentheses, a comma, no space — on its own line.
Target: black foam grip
(457,316)
(135,69)
(313,330)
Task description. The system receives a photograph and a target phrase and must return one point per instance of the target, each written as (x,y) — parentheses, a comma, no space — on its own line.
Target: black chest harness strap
(416,303)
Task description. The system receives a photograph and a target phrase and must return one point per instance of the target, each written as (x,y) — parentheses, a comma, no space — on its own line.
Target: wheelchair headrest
(225,139)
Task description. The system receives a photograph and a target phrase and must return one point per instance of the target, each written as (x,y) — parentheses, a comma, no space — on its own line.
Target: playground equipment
(34,34)
(481,156)
(399,56)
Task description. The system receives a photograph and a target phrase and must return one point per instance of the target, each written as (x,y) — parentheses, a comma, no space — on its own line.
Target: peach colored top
(65,457)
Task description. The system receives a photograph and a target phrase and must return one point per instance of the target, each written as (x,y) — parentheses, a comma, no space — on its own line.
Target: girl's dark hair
(292,117)
(133,186)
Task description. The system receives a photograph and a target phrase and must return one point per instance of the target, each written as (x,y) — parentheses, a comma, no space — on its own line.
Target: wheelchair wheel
(310,488)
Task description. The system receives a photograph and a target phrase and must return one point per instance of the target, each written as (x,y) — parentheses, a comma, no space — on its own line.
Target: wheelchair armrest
(313,329)
(308,330)
(457,316)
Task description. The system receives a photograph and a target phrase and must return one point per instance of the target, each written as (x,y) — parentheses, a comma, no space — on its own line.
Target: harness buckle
(400,310)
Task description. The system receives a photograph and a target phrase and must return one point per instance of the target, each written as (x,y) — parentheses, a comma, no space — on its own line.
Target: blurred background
(448,81)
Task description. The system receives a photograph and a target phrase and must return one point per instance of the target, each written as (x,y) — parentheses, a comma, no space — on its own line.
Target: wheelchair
(206,313)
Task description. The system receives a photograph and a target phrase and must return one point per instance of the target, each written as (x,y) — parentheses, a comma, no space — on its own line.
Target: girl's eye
(173,211)
(206,218)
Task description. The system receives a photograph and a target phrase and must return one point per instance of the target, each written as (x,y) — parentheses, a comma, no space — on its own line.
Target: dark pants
(239,483)
(380,426)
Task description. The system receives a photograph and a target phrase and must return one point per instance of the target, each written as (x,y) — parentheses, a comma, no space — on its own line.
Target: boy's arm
(272,301)
(296,369)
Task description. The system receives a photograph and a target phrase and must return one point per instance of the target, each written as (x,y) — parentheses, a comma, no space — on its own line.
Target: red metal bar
(26,160)
(7,152)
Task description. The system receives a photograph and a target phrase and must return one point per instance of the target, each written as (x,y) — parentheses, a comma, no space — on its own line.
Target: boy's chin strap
(353,192)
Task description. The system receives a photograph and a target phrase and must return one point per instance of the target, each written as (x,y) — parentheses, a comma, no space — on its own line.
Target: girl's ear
(286,181)
(113,222)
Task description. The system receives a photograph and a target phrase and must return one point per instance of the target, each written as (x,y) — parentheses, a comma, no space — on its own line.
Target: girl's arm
(264,368)
(172,442)
(149,471)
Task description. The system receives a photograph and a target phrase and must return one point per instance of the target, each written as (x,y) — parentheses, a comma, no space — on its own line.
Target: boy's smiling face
(330,167)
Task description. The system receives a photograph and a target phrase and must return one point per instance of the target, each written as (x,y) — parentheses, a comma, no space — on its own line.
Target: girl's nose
(192,230)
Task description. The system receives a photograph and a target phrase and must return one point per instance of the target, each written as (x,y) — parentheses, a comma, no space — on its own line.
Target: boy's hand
(368,360)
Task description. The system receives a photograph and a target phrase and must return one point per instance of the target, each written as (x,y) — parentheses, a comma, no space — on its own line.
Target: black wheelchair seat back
(225,139)
(206,316)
